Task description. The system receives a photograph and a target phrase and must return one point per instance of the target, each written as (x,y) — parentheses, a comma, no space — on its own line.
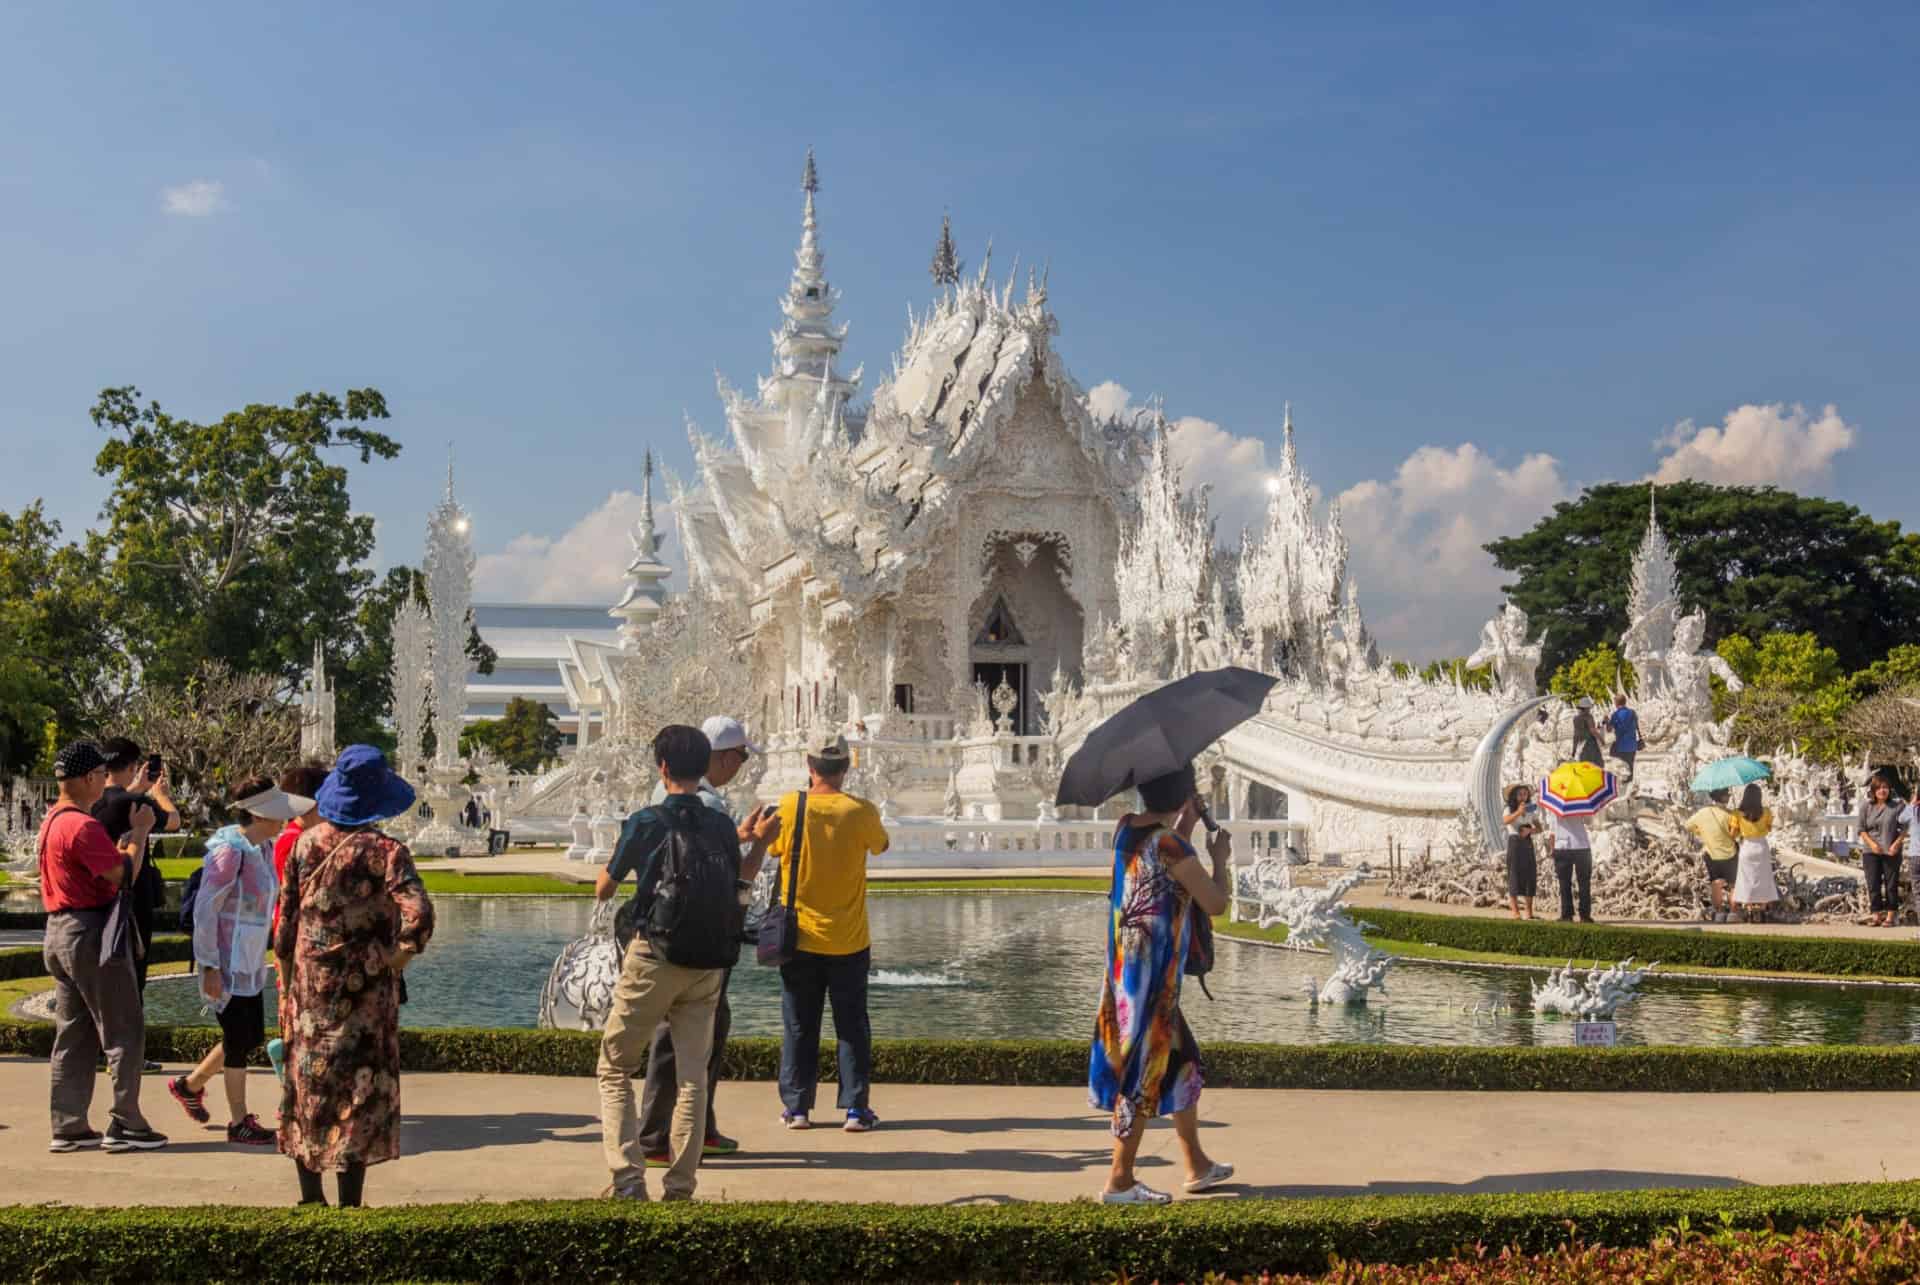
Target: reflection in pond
(1028,965)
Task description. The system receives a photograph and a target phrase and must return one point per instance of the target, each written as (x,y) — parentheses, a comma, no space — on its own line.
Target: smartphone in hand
(154,765)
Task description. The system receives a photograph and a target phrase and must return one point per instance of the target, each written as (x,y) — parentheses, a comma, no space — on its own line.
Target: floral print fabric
(352,899)
(1144,1061)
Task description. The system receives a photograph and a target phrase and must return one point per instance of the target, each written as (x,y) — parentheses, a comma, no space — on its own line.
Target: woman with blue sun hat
(353,915)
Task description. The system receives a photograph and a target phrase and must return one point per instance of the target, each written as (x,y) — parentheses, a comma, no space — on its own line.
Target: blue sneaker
(861,1120)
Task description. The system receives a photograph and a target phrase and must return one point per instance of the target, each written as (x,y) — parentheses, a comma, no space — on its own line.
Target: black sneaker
(249,1133)
(121,1138)
(75,1142)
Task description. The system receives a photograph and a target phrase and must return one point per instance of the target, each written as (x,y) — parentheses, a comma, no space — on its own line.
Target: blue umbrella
(1730,774)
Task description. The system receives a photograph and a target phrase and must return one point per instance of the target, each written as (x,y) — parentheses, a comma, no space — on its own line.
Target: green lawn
(452,882)
(1449,954)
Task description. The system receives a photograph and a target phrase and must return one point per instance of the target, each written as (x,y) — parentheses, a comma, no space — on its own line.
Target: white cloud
(586,563)
(195,199)
(1108,399)
(1773,445)
(1234,467)
(1426,582)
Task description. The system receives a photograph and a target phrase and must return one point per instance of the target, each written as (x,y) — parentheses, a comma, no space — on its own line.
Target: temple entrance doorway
(990,674)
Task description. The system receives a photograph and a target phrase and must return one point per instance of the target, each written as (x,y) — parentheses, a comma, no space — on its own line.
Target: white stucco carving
(968,571)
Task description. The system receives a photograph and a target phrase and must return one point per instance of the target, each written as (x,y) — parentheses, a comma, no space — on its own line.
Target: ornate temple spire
(645,596)
(946,260)
(805,345)
(644,533)
(1655,583)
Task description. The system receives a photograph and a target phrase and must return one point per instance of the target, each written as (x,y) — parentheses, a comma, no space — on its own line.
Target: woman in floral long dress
(1144,1061)
(353,915)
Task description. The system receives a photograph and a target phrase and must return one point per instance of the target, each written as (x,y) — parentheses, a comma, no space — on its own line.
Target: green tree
(1475,678)
(1597,672)
(1757,560)
(236,541)
(524,737)
(62,653)
(1795,693)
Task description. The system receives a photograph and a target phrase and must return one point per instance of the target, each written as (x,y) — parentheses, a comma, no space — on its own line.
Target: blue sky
(1457,243)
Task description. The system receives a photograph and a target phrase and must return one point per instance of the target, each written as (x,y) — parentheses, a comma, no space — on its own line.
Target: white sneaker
(1138,1194)
(795,1120)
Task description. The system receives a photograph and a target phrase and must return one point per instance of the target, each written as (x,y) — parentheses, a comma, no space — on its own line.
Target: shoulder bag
(780,930)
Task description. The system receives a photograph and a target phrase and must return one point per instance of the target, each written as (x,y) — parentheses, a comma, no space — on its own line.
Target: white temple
(967,571)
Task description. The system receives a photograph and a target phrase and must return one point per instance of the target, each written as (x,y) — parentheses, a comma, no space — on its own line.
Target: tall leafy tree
(236,541)
(1757,560)
(524,737)
(62,658)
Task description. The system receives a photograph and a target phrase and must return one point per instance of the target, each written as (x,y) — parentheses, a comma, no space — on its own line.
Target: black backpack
(690,912)
(189,896)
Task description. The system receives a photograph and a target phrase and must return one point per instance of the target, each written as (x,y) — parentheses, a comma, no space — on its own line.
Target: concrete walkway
(471,1137)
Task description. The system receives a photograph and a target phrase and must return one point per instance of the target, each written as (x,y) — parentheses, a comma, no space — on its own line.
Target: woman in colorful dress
(231,917)
(1144,1060)
(353,915)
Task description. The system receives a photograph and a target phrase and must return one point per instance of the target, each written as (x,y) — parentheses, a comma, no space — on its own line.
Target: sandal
(1212,1178)
(1138,1194)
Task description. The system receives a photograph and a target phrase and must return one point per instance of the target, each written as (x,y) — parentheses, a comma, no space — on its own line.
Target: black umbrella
(1161,732)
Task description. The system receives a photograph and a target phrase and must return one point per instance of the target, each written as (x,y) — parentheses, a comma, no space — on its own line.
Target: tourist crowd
(303,884)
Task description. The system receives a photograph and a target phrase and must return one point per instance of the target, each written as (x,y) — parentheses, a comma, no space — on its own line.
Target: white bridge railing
(937,842)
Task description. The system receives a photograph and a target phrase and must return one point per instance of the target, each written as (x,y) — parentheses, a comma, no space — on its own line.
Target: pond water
(984,965)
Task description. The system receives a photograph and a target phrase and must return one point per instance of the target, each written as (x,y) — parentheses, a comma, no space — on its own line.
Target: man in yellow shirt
(829,859)
(1712,825)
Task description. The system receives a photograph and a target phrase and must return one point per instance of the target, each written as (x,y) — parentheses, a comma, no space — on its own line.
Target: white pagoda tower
(639,607)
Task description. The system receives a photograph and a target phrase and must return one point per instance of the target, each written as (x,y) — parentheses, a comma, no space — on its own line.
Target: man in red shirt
(96,1006)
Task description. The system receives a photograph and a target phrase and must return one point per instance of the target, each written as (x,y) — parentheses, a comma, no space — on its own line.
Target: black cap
(77,760)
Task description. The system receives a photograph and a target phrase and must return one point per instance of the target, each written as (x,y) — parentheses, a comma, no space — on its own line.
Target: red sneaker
(194,1104)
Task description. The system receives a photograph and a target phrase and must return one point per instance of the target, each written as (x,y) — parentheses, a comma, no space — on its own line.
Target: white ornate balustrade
(936,843)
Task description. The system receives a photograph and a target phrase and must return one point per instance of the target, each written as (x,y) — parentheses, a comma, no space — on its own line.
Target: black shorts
(1723,871)
(243,1028)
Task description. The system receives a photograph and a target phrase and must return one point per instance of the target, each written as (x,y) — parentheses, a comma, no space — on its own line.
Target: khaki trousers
(649,992)
(96,1009)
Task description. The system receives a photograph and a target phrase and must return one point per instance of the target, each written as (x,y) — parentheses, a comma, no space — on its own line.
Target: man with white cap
(730,751)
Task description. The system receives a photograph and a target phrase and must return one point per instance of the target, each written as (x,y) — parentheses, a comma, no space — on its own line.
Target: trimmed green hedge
(17,962)
(621,1241)
(1242,1066)
(1895,956)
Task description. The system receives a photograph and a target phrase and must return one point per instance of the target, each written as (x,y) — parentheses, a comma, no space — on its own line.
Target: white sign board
(1594,1035)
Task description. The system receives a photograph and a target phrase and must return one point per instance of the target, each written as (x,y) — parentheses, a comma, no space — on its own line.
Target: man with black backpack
(678,936)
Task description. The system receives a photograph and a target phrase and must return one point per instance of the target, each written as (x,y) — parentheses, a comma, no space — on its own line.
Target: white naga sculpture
(1317,917)
(1591,995)
(579,990)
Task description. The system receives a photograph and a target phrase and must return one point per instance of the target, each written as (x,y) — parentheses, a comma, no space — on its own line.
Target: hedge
(615,1241)
(17,962)
(1233,1066)
(1895,956)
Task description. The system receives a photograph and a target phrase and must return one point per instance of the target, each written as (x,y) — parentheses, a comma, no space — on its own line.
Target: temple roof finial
(809,177)
(946,260)
(449,472)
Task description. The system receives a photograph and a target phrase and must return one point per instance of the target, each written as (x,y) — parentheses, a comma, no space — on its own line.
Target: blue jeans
(807,984)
